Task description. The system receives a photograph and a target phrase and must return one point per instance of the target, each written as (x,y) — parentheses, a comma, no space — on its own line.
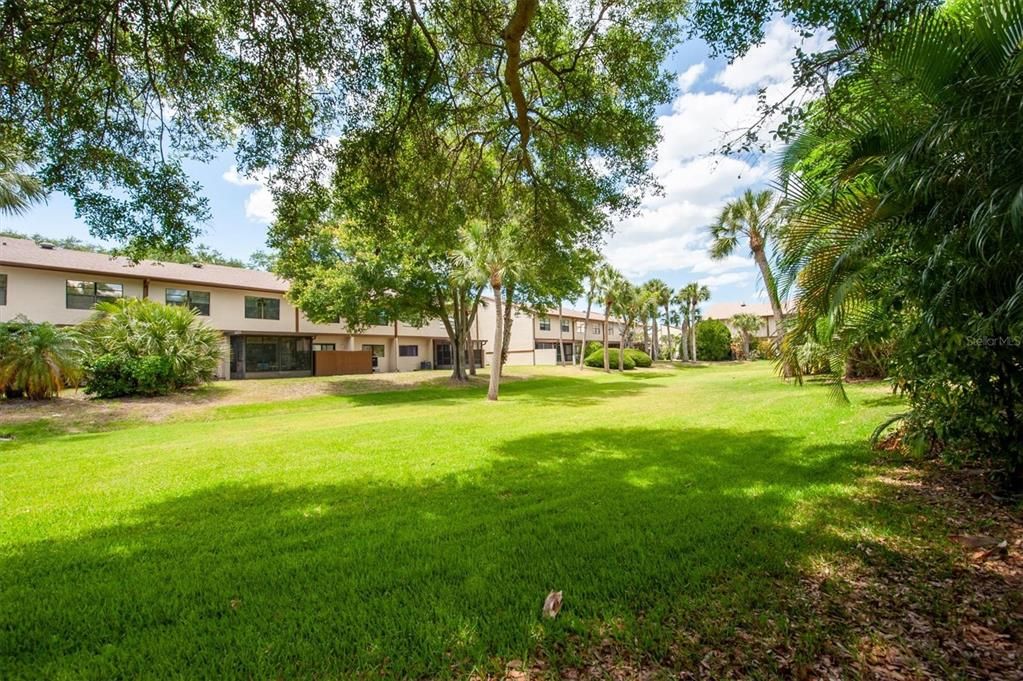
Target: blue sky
(668,239)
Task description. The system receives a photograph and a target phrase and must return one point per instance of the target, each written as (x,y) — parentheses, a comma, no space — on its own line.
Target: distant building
(725,311)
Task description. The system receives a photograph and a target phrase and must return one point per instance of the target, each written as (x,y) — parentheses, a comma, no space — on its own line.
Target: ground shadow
(647,531)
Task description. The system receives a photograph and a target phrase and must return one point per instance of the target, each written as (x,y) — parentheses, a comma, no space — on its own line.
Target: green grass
(417,532)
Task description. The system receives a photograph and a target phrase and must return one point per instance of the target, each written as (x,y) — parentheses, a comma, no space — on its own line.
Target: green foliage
(18,188)
(597,360)
(638,357)
(592,347)
(713,341)
(115,376)
(905,236)
(160,347)
(765,349)
(37,360)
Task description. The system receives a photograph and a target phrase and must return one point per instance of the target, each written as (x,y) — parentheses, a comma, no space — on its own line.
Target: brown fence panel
(342,362)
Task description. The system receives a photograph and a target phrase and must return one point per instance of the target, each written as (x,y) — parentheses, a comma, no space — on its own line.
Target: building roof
(27,253)
(729,310)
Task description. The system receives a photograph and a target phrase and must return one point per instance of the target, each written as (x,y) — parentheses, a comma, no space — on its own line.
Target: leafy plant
(130,330)
(638,357)
(713,340)
(37,360)
(597,359)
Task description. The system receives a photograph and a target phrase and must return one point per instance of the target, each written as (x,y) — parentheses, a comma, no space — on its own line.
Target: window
(408,351)
(262,308)
(83,295)
(545,324)
(566,326)
(580,328)
(277,353)
(194,300)
(323,346)
(377,350)
(596,329)
(3,289)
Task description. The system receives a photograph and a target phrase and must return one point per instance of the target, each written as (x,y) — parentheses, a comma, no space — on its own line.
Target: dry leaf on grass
(552,605)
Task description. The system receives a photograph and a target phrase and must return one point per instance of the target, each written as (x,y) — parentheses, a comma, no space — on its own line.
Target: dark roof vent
(197,265)
(46,246)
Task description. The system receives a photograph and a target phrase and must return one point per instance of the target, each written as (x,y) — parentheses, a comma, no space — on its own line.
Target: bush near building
(37,361)
(140,347)
(638,357)
(597,359)
(713,341)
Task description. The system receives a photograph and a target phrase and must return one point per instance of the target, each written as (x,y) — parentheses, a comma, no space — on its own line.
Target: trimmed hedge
(638,357)
(114,376)
(713,341)
(593,346)
(597,359)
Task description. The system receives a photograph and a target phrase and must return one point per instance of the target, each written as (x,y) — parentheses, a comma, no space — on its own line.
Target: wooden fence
(342,362)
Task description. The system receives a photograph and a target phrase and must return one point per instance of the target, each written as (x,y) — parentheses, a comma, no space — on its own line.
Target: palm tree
(592,291)
(679,299)
(609,286)
(746,324)
(693,294)
(631,303)
(38,360)
(661,298)
(489,255)
(754,218)
(18,190)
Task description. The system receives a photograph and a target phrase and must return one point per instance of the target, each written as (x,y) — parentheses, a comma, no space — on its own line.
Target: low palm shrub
(597,359)
(37,361)
(139,347)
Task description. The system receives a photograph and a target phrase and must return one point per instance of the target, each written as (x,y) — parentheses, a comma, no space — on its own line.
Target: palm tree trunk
(495,371)
(468,347)
(692,331)
(586,330)
(561,338)
(509,294)
(646,336)
(772,295)
(621,351)
(667,320)
(607,362)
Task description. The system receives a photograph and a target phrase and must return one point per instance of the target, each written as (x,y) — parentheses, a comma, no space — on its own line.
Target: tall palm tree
(631,303)
(679,299)
(490,255)
(753,218)
(609,285)
(661,298)
(18,189)
(592,292)
(694,294)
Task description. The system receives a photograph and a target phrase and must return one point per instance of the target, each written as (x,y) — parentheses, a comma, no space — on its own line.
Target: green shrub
(113,376)
(592,347)
(597,359)
(713,341)
(765,349)
(159,348)
(37,361)
(638,357)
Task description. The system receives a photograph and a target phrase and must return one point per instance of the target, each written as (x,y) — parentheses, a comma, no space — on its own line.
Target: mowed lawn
(416,533)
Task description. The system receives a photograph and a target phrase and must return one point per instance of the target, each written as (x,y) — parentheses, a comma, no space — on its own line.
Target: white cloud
(769,62)
(670,233)
(688,78)
(259,205)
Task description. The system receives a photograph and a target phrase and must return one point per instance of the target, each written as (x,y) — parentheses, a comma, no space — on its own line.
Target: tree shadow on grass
(647,531)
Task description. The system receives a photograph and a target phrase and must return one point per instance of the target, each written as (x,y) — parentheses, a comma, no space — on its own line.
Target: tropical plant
(622,360)
(18,189)
(593,280)
(904,195)
(753,220)
(715,340)
(661,299)
(131,329)
(746,324)
(692,295)
(38,360)
(610,282)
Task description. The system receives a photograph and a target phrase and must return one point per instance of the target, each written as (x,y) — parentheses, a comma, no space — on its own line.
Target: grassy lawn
(416,532)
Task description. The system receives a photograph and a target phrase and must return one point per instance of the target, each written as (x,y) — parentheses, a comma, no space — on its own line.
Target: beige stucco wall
(227,308)
(521,335)
(41,295)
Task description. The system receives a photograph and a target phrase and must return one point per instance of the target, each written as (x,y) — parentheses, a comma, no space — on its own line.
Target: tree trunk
(683,342)
(607,361)
(509,294)
(667,321)
(586,330)
(561,338)
(621,351)
(468,347)
(745,344)
(772,295)
(646,336)
(656,340)
(495,373)
(692,332)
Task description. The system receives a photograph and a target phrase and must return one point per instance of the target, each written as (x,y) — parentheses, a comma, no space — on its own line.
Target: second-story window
(195,300)
(566,326)
(545,324)
(83,295)
(262,308)
(596,328)
(3,289)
